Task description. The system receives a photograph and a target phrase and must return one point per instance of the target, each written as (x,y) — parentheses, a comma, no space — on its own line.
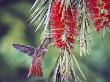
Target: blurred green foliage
(14,65)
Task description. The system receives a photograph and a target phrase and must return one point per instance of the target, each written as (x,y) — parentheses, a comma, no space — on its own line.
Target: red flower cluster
(100,10)
(57,25)
(63,24)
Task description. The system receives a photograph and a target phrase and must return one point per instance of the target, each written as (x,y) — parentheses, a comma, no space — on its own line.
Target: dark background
(14,65)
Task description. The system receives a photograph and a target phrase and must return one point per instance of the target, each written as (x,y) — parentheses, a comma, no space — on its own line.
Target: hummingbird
(37,55)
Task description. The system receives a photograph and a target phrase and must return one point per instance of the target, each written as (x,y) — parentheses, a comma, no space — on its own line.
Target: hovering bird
(37,55)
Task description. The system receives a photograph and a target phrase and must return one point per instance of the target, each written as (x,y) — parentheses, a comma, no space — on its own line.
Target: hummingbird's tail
(36,70)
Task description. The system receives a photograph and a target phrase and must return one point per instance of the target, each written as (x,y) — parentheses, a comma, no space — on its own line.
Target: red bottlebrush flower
(57,23)
(63,24)
(99,12)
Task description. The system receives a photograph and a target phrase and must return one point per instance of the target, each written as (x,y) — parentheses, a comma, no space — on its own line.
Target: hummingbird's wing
(25,49)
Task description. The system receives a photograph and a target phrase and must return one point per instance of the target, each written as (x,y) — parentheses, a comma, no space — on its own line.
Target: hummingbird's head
(43,49)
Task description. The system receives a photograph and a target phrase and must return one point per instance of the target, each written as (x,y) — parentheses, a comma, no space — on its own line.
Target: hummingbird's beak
(45,50)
